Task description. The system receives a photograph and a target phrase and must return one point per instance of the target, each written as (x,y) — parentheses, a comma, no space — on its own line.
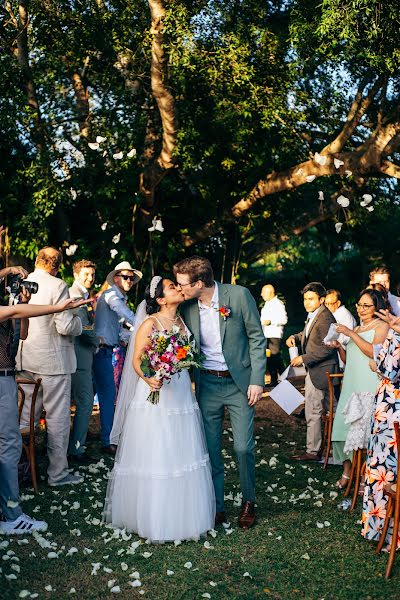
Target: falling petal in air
(338,227)
(343,201)
(93,145)
(310,178)
(100,139)
(321,160)
(118,155)
(338,163)
(131,153)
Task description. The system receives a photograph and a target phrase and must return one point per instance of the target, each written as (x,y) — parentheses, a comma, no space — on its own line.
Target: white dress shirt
(210,336)
(344,317)
(274,310)
(81,288)
(310,318)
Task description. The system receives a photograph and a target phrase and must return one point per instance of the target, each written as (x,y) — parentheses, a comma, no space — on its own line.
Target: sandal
(361,489)
(341,486)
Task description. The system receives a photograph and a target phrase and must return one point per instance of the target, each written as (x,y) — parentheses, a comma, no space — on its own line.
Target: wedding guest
(381,464)
(382,275)
(333,302)
(48,352)
(273,319)
(318,359)
(359,382)
(12,519)
(85,347)
(112,312)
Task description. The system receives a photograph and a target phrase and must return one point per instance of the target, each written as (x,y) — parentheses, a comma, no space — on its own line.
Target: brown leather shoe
(220,518)
(307,457)
(247,516)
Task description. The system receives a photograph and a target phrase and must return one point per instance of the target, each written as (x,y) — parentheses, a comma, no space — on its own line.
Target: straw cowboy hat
(124,266)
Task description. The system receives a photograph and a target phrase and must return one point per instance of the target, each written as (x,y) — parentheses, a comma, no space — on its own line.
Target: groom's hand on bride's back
(254,393)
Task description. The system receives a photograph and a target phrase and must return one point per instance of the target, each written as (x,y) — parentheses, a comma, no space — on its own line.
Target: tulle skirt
(161,486)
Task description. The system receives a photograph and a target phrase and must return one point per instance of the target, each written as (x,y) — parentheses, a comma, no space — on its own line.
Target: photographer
(14,520)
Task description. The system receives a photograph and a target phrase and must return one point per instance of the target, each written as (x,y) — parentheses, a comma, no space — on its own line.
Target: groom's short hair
(198,268)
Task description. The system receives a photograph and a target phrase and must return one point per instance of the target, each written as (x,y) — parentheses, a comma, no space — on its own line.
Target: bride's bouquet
(168,352)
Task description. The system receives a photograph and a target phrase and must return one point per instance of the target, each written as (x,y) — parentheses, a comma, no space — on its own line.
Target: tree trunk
(156,169)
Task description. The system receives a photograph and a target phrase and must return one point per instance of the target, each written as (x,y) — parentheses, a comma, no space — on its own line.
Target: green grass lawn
(287,555)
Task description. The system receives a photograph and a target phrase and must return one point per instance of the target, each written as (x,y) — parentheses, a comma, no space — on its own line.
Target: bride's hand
(154,383)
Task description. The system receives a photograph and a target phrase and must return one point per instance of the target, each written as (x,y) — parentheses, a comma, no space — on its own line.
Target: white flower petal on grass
(333,495)
(115,590)
(306,556)
(131,153)
(100,139)
(24,594)
(135,583)
(177,542)
(327,524)
(10,577)
(111,583)
(310,178)
(94,145)
(320,159)
(206,595)
(338,163)
(135,575)
(124,566)
(72,591)
(207,545)
(213,533)
(107,570)
(118,155)
(52,555)
(247,574)
(147,554)
(87,551)
(343,201)
(169,572)
(212,583)
(338,227)
(48,588)
(229,531)
(318,503)
(320,525)
(188,565)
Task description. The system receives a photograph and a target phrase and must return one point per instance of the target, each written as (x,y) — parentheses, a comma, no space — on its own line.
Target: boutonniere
(224,311)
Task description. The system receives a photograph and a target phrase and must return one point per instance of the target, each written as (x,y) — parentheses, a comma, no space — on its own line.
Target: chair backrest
(21,392)
(396,425)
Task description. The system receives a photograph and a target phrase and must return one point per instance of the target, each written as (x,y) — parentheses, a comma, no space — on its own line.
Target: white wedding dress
(161,486)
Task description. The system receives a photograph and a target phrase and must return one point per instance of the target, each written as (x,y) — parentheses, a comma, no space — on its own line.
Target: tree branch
(390,169)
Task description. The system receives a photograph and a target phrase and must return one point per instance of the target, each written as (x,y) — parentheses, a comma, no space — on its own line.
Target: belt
(107,346)
(218,373)
(8,373)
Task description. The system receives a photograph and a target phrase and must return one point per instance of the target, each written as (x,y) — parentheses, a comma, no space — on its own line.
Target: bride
(161,486)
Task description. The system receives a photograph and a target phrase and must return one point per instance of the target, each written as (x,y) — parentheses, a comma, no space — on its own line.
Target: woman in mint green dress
(359,382)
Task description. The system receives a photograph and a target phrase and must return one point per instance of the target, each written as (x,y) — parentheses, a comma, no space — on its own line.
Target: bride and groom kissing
(162,486)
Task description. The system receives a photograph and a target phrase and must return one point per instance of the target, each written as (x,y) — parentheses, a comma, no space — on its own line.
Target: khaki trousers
(314,407)
(55,397)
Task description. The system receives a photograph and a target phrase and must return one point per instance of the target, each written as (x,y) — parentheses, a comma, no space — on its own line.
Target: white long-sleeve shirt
(274,310)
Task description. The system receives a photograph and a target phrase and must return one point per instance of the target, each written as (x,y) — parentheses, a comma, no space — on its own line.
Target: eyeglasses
(331,303)
(127,277)
(364,306)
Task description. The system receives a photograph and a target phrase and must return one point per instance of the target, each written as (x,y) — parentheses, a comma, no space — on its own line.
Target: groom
(226,326)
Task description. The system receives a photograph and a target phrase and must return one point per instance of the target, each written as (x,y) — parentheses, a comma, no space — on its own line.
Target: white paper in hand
(332,334)
(287,396)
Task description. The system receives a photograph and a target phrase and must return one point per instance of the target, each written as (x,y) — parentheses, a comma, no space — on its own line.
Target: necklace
(169,318)
(362,327)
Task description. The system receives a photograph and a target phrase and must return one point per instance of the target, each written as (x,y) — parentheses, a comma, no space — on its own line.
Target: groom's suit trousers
(214,394)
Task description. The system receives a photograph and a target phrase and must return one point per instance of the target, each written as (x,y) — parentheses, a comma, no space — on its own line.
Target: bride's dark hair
(152,305)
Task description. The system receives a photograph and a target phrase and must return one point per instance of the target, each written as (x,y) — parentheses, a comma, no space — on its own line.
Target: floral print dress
(381,466)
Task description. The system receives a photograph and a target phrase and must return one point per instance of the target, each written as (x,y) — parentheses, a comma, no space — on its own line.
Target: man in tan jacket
(49,353)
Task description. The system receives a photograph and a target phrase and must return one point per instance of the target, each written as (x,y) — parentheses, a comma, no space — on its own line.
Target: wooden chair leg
(389,512)
(329,441)
(357,480)
(393,545)
(32,462)
(353,468)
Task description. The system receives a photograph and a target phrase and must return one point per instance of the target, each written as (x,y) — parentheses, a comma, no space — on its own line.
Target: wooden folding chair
(28,433)
(392,509)
(328,419)
(357,469)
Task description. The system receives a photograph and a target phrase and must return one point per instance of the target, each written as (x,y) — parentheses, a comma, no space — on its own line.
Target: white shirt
(344,317)
(311,316)
(210,336)
(274,310)
(85,293)
(394,302)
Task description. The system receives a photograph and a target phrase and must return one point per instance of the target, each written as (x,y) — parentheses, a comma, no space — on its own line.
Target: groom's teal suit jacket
(243,341)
